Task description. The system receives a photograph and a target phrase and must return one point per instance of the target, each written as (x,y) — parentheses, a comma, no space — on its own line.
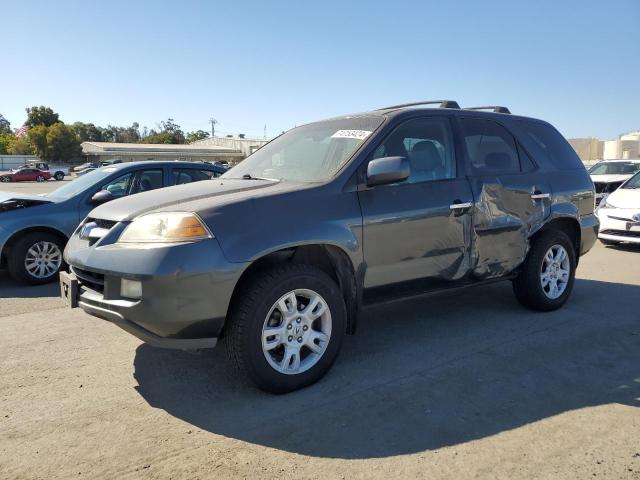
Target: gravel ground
(465,385)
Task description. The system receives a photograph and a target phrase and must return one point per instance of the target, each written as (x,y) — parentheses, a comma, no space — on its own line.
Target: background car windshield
(311,153)
(633,182)
(615,168)
(81,183)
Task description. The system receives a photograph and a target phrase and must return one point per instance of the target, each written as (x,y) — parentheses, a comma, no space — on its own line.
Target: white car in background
(608,175)
(619,214)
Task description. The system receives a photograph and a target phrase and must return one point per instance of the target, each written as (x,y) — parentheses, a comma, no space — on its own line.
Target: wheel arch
(6,248)
(331,259)
(569,225)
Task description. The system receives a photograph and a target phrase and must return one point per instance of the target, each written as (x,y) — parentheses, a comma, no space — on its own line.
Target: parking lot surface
(463,385)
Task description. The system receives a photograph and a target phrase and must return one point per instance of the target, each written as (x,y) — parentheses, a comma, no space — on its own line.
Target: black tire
(59,176)
(39,178)
(18,252)
(243,335)
(609,243)
(527,286)
(5,179)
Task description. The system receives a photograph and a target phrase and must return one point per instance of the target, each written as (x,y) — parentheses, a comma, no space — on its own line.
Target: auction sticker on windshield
(359,134)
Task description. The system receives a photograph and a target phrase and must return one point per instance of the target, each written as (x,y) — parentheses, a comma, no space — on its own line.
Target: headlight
(165,227)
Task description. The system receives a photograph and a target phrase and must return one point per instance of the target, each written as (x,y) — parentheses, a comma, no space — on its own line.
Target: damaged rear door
(512,198)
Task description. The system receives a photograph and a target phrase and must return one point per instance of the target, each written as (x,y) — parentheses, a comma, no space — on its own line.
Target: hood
(192,197)
(13,201)
(609,178)
(625,198)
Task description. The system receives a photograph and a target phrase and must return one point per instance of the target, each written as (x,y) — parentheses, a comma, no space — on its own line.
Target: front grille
(606,187)
(622,233)
(106,224)
(91,280)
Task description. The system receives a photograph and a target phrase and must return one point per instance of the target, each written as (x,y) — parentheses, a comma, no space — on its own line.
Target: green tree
(170,133)
(38,140)
(197,135)
(19,146)
(41,116)
(87,132)
(62,144)
(5,126)
(5,140)
(56,143)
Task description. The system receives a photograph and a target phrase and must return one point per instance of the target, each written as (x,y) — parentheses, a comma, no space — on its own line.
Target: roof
(164,163)
(97,148)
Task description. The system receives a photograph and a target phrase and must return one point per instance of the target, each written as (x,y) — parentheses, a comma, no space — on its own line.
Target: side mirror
(102,196)
(383,171)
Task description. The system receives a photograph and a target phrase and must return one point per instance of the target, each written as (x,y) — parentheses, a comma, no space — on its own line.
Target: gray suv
(279,255)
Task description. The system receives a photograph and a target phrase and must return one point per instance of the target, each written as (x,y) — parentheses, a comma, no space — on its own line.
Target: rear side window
(551,145)
(490,147)
(190,175)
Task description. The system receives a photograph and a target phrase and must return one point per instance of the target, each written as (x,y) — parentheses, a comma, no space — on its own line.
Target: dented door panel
(504,217)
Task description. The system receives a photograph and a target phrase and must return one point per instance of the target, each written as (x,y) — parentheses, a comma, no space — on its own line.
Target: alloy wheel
(43,259)
(296,331)
(555,272)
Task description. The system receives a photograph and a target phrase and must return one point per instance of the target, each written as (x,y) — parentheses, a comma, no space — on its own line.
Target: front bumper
(186,289)
(619,224)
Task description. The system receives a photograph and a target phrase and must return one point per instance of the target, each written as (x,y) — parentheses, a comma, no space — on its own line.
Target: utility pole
(213,122)
(265,130)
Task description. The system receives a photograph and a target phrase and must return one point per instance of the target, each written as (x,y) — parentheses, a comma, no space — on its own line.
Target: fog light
(130,288)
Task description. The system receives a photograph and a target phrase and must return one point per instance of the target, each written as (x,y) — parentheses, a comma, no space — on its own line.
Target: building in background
(243,144)
(589,149)
(130,152)
(625,147)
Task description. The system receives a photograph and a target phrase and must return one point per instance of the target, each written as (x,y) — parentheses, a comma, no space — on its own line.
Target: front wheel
(547,276)
(59,176)
(5,179)
(35,258)
(286,327)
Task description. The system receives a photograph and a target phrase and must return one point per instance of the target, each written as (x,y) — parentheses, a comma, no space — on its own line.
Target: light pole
(213,122)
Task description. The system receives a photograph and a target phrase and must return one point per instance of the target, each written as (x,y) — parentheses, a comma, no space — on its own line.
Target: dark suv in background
(279,255)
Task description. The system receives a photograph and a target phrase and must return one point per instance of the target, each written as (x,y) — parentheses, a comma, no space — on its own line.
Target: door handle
(540,196)
(461,206)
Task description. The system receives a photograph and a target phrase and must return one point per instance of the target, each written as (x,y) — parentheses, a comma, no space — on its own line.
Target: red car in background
(25,175)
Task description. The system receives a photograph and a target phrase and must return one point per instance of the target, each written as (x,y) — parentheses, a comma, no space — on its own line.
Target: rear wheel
(36,258)
(286,327)
(39,178)
(546,279)
(59,176)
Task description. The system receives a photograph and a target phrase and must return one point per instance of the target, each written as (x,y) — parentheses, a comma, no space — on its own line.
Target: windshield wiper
(248,176)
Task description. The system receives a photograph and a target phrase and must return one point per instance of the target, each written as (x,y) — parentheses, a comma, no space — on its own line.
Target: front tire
(59,176)
(5,179)
(548,273)
(36,258)
(286,327)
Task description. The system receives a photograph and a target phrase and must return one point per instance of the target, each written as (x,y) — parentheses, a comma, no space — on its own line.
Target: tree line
(52,140)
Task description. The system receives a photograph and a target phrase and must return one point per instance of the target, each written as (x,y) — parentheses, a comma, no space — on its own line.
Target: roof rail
(443,104)
(495,108)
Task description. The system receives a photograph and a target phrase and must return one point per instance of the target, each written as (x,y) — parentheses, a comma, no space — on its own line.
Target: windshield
(633,182)
(615,168)
(311,153)
(81,183)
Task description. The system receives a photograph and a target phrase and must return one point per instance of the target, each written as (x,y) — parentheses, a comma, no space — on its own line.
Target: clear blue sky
(574,63)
